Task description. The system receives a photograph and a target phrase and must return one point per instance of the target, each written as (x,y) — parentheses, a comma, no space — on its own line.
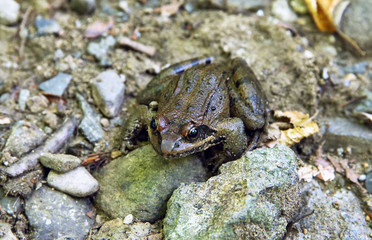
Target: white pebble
(128,219)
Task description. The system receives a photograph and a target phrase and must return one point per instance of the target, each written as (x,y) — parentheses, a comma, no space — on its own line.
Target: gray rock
(369,182)
(53,214)
(236,5)
(23,138)
(56,85)
(90,125)
(59,162)
(11,205)
(6,231)
(108,92)
(37,103)
(343,133)
(337,215)
(357,68)
(83,6)
(252,198)
(9,12)
(281,10)
(99,50)
(47,26)
(141,182)
(365,105)
(77,182)
(22,98)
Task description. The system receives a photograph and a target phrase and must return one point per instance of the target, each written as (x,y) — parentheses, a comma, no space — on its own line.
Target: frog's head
(178,138)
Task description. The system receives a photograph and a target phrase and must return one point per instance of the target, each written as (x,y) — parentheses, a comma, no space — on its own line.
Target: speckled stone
(59,162)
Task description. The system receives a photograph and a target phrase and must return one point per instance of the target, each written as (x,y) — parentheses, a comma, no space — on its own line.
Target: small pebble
(22,98)
(47,26)
(128,219)
(56,85)
(362,177)
(37,103)
(369,182)
(105,122)
(9,12)
(83,6)
(59,162)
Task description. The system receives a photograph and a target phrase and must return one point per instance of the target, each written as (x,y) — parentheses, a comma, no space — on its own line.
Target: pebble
(6,231)
(59,162)
(53,214)
(9,12)
(108,92)
(37,103)
(11,205)
(50,119)
(83,6)
(369,182)
(78,182)
(22,98)
(282,10)
(99,50)
(90,125)
(128,219)
(362,177)
(56,85)
(47,26)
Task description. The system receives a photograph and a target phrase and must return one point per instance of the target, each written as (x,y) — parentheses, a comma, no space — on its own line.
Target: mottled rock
(11,205)
(108,92)
(23,185)
(59,162)
(90,125)
(141,182)
(22,98)
(9,12)
(100,49)
(83,6)
(253,197)
(47,26)
(337,215)
(345,134)
(37,103)
(6,231)
(56,85)
(53,214)
(116,230)
(77,182)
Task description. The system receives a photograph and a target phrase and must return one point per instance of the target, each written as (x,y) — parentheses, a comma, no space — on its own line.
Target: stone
(83,6)
(108,92)
(337,215)
(22,98)
(128,219)
(77,182)
(100,50)
(369,182)
(47,26)
(344,133)
(281,10)
(141,182)
(37,103)
(6,231)
(53,215)
(59,162)
(254,197)
(9,12)
(56,85)
(51,119)
(11,205)
(90,125)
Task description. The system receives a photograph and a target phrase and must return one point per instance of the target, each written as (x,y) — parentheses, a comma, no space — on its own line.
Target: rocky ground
(69,74)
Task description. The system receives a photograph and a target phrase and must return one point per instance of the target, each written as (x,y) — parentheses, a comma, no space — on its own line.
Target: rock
(235,5)
(369,182)
(357,68)
(128,219)
(355,138)
(59,162)
(116,230)
(6,231)
(23,138)
(11,205)
(77,182)
(53,214)
(141,182)
(9,12)
(108,92)
(56,85)
(50,119)
(23,185)
(281,10)
(22,98)
(253,197)
(47,26)
(299,6)
(90,125)
(365,105)
(83,6)
(99,50)
(337,215)
(37,103)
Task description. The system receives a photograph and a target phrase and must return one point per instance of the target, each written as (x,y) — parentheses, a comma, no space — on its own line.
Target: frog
(198,105)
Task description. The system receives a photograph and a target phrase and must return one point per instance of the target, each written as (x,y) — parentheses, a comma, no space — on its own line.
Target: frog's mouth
(182,148)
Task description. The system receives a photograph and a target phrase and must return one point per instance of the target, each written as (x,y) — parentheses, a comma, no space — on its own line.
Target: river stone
(59,162)
(141,182)
(83,6)
(78,182)
(56,85)
(53,215)
(6,231)
(47,26)
(108,92)
(9,12)
(11,205)
(253,197)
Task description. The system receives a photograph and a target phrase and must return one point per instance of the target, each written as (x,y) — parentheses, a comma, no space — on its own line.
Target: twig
(21,29)
(52,144)
(148,50)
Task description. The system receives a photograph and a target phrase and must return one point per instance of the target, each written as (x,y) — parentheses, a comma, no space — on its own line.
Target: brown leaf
(336,164)
(350,174)
(169,9)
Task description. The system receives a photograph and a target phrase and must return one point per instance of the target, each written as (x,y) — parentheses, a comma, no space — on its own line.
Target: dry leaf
(307,173)
(321,11)
(326,173)
(97,28)
(169,9)
(350,174)
(336,164)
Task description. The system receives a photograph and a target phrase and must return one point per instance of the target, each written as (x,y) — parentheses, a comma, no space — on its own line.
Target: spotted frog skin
(196,105)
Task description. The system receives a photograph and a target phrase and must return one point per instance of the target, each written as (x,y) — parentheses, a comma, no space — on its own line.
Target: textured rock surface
(6,231)
(53,214)
(252,198)
(56,85)
(78,182)
(141,183)
(59,162)
(9,12)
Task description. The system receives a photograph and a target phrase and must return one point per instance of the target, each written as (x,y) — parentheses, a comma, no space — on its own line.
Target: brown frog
(196,105)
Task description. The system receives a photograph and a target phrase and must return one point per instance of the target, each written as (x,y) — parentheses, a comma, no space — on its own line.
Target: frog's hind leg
(247,100)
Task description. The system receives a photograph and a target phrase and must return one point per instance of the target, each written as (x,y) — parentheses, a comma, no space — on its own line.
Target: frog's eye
(153,124)
(193,133)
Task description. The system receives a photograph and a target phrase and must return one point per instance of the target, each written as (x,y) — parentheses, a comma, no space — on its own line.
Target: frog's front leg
(232,130)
